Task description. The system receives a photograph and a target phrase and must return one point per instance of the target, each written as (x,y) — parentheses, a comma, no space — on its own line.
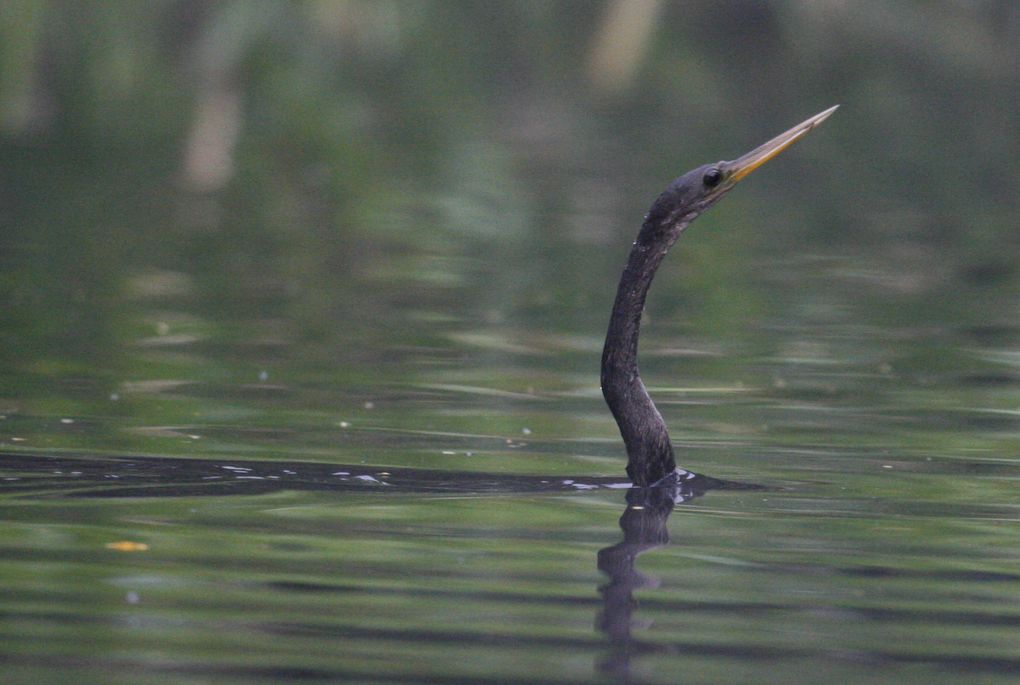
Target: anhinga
(649,452)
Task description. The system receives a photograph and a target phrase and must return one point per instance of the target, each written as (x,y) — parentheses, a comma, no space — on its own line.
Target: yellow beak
(742,166)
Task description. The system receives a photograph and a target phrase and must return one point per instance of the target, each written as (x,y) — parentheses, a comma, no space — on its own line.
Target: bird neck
(649,452)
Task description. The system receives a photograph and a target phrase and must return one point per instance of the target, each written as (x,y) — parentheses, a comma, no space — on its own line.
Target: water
(316,576)
(338,418)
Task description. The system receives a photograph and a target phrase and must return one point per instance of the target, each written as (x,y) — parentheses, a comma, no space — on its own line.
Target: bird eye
(712,177)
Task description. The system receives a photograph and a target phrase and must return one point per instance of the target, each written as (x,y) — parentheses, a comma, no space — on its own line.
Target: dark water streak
(41,475)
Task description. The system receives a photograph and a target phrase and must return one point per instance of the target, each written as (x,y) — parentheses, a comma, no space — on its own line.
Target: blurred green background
(269,213)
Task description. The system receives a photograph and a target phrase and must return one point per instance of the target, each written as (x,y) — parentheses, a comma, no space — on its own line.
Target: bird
(650,457)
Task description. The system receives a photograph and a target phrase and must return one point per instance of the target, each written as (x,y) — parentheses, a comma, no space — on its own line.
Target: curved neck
(649,452)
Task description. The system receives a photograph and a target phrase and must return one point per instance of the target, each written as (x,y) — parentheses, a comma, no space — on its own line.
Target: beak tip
(822,116)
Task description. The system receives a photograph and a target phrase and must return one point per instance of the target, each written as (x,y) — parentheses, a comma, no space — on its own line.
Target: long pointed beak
(742,166)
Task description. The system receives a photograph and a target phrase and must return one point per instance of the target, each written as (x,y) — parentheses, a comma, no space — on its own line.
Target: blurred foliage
(358,193)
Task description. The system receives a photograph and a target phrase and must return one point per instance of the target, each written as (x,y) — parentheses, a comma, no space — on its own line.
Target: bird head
(698,189)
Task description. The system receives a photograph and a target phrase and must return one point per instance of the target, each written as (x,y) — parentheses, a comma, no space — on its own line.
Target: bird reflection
(644,528)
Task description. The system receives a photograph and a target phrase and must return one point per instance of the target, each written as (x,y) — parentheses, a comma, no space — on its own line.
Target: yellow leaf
(127,546)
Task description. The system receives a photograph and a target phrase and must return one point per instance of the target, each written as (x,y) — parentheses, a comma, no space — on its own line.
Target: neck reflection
(644,528)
